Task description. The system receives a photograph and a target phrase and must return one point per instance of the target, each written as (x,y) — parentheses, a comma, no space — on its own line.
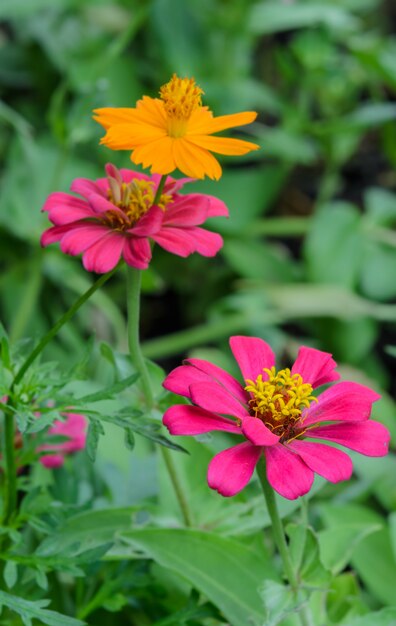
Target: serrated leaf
(109,392)
(95,429)
(29,611)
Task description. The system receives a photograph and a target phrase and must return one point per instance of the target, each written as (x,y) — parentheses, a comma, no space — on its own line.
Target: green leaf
(373,560)
(87,531)
(279,601)
(29,611)
(338,544)
(273,17)
(10,574)
(228,573)
(304,549)
(109,392)
(386,617)
(333,247)
(95,429)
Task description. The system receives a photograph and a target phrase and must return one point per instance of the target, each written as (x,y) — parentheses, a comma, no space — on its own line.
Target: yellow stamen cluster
(134,199)
(181,96)
(279,400)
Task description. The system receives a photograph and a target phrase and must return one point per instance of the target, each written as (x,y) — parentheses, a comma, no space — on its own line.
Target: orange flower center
(181,96)
(133,200)
(279,401)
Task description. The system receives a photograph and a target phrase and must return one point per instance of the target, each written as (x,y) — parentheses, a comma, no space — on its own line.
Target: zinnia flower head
(277,415)
(115,217)
(74,428)
(174,131)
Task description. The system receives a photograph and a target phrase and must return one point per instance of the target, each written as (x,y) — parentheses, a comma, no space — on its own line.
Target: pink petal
(344,401)
(85,187)
(55,233)
(230,471)
(212,397)
(149,224)
(192,420)
(175,240)
(129,175)
(315,367)
(52,460)
(206,243)
(217,208)
(221,376)
(252,355)
(187,211)
(287,473)
(74,427)
(173,185)
(331,463)
(64,208)
(100,204)
(104,255)
(137,253)
(370,438)
(77,240)
(257,432)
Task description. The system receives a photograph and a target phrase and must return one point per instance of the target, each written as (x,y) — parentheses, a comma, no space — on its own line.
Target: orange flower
(174,131)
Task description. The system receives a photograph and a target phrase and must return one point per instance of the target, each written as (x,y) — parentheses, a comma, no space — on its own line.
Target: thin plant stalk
(280,540)
(10,477)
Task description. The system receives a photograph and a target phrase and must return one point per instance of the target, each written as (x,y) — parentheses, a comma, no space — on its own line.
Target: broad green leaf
(29,611)
(304,550)
(378,271)
(273,17)
(87,531)
(373,559)
(381,207)
(279,601)
(338,544)
(386,617)
(214,565)
(333,247)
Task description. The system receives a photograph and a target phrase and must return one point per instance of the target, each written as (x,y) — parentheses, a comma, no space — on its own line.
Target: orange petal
(148,111)
(157,154)
(129,136)
(223,145)
(194,161)
(201,123)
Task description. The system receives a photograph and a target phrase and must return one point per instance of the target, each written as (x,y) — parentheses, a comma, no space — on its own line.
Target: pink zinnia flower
(115,217)
(74,428)
(277,414)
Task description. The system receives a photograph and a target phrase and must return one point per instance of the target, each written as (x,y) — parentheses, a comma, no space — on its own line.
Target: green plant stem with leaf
(10,476)
(137,358)
(280,541)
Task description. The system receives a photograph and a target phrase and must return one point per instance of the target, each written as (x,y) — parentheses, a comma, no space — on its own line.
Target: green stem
(10,482)
(280,540)
(181,498)
(134,279)
(277,527)
(160,188)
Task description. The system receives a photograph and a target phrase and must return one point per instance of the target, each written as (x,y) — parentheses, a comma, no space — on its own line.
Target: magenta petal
(175,240)
(76,241)
(287,473)
(100,205)
(230,471)
(55,233)
(129,175)
(344,401)
(85,187)
(137,253)
(206,243)
(149,223)
(331,463)
(370,438)
(252,355)
(212,397)
(315,367)
(104,255)
(51,461)
(221,376)
(192,420)
(187,211)
(63,208)
(257,432)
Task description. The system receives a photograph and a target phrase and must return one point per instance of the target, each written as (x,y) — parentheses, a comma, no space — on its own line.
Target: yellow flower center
(181,96)
(134,199)
(279,401)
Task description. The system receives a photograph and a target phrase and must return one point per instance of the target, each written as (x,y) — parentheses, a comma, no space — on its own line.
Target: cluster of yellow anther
(181,96)
(134,199)
(279,400)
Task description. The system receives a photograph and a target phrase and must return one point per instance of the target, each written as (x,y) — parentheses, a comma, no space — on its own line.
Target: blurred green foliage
(309,257)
